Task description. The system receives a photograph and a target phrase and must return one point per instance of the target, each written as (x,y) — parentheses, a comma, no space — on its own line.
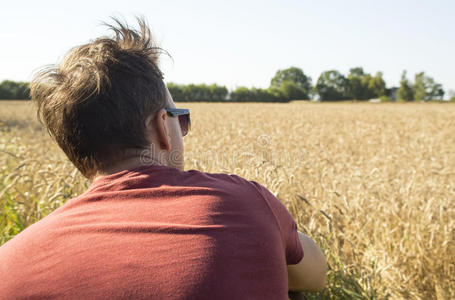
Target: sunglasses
(184,118)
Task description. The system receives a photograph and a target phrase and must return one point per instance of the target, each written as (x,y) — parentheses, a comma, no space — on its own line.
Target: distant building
(393,93)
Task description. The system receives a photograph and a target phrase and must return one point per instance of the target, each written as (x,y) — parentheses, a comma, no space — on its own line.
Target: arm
(308,275)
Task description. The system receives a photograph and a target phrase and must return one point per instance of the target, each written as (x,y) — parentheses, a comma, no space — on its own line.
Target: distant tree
(377,86)
(218,93)
(420,89)
(425,88)
(276,94)
(355,86)
(242,94)
(267,95)
(294,75)
(436,92)
(367,91)
(362,86)
(292,91)
(176,91)
(332,85)
(10,90)
(23,91)
(405,92)
(5,91)
(198,92)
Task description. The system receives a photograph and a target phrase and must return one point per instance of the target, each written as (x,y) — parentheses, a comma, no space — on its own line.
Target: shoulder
(223,179)
(31,237)
(246,194)
(231,183)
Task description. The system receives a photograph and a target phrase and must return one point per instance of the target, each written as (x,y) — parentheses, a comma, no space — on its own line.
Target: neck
(130,162)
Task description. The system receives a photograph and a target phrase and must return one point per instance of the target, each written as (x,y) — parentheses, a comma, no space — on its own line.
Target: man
(146,229)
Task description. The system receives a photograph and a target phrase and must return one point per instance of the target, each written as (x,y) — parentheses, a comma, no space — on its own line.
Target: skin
(166,148)
(166,144)
(308,275)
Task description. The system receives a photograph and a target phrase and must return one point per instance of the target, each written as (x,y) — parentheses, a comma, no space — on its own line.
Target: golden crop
(373,184)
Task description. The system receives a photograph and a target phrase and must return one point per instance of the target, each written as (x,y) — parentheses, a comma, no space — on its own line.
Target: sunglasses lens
(184,121)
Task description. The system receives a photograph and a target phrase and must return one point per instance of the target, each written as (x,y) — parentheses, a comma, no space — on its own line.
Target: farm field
(373,184)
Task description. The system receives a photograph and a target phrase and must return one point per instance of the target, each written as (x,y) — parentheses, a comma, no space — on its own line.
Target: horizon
(228,45)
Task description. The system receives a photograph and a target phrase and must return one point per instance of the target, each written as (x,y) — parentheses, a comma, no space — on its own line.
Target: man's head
(105,102)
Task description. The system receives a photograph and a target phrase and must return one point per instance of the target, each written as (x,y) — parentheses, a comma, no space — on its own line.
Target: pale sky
(243,43)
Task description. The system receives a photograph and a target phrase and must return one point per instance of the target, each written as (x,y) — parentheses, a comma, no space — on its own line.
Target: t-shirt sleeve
(288,227)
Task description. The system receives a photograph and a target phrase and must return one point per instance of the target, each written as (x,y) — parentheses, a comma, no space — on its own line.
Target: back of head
(94,103)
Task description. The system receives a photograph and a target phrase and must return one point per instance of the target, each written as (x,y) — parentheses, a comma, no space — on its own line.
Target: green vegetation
(197,92)
(332,85)
(426,89)
(405,92)
(423,89)
(291,84)
(362,86)
(10,90)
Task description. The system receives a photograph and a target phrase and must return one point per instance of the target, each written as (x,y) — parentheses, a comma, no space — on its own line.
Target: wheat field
(373,184)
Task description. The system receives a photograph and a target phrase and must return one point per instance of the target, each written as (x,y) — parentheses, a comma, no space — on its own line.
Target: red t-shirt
(156,232)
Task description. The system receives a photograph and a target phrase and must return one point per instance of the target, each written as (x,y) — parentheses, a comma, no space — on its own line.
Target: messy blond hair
(94,103)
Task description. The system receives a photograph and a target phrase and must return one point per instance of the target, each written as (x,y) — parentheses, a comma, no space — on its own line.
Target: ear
(162,131)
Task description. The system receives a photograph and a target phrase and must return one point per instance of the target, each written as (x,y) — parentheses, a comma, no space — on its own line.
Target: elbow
(310,274)
(321,281)
(319,270)
(323,277)
(320,278)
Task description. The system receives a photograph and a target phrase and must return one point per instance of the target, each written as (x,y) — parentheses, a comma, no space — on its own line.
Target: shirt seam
(271,210)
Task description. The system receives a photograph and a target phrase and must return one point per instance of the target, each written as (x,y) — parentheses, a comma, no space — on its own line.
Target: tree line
(14,90)
(292,84)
